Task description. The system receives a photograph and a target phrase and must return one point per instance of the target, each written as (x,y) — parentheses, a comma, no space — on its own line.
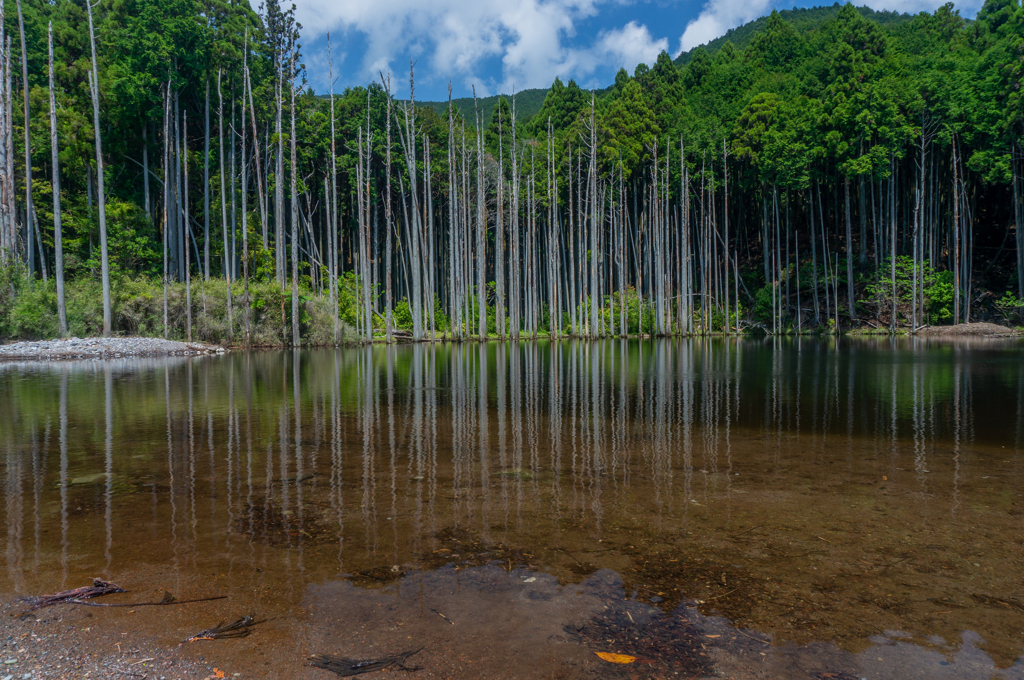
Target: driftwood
(237,629)
(167,600)
(99,587)
(345,667)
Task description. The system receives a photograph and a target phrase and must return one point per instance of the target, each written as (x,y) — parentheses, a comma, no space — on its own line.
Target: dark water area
(714,508)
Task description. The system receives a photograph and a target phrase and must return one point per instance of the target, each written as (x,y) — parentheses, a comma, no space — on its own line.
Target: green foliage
(34,313)
(31,313)
(1011,308)
(631,127)
(937,289)
(763,305)
(939,297)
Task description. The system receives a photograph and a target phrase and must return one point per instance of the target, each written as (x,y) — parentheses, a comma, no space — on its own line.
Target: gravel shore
(75,643)
(970,330)
(103,348)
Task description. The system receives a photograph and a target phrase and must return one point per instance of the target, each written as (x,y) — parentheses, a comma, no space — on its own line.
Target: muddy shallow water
(786,508)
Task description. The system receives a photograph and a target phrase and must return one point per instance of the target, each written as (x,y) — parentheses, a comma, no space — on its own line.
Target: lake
(835,508)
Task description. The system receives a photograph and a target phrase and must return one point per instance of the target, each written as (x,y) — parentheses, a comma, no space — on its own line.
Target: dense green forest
(165,169)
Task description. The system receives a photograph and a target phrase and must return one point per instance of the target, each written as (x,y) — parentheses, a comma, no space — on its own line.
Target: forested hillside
(802,19)
(847,170)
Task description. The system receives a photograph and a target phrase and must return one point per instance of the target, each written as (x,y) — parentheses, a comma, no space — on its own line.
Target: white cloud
(455,39)
(717,17)
(630,45)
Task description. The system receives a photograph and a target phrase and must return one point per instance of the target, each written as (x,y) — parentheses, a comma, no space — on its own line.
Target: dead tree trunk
(58,247)
(100,189)
(206,185)
(223,202)
(333,206)
(29,232)
(295,209)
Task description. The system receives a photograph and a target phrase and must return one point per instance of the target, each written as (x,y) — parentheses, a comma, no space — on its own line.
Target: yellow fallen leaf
(616,658)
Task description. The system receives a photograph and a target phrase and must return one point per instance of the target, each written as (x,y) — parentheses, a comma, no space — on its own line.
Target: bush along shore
(28,312)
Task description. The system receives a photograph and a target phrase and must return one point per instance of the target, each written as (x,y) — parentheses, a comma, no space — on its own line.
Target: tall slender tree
(101,197)
(58,242)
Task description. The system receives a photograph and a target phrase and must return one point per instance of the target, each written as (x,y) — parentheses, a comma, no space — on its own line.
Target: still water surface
(776,508)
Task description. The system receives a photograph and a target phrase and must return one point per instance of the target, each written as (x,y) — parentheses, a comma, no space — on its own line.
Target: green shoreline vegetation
(824,170)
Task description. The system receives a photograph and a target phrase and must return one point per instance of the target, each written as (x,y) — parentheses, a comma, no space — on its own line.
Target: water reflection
(870,485)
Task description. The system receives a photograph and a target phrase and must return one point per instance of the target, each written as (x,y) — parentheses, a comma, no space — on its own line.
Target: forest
(166,170)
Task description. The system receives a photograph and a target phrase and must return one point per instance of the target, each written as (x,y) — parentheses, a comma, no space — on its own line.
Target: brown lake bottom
(727,508)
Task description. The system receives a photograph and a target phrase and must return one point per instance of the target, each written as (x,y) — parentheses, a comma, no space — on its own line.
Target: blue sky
(496,45)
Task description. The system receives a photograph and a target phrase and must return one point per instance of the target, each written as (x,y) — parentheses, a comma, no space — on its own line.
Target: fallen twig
(161,603)
(345,667)
(443,616)
(763,642)
(236,629)
(98,588)
(746,530)
(722,595)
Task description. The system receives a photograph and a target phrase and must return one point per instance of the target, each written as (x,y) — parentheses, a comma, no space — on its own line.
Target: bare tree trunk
(206,185)
(430,247)
(499,234)
(814,256)
(849,254)
(296,341)
(234,261)
(481,226)
(145,171)
(167,192)
(1018,220)
(725,236)
(592,188)
(244,197)
(862,256)
(186,230)
(7,241)
(29,231)
(417,265)
(388,218)
(279,247)
(8,143)
(255,153)
(333,207)
(227,260)
(573,301)
(177,254)
(55,163)
(513,225)
(100,189)
(892,237)
(956,235)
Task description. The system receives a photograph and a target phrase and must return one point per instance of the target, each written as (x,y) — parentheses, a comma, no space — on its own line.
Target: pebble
(103,348)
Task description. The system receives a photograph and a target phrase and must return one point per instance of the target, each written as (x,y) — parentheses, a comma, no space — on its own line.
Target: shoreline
(76,349)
